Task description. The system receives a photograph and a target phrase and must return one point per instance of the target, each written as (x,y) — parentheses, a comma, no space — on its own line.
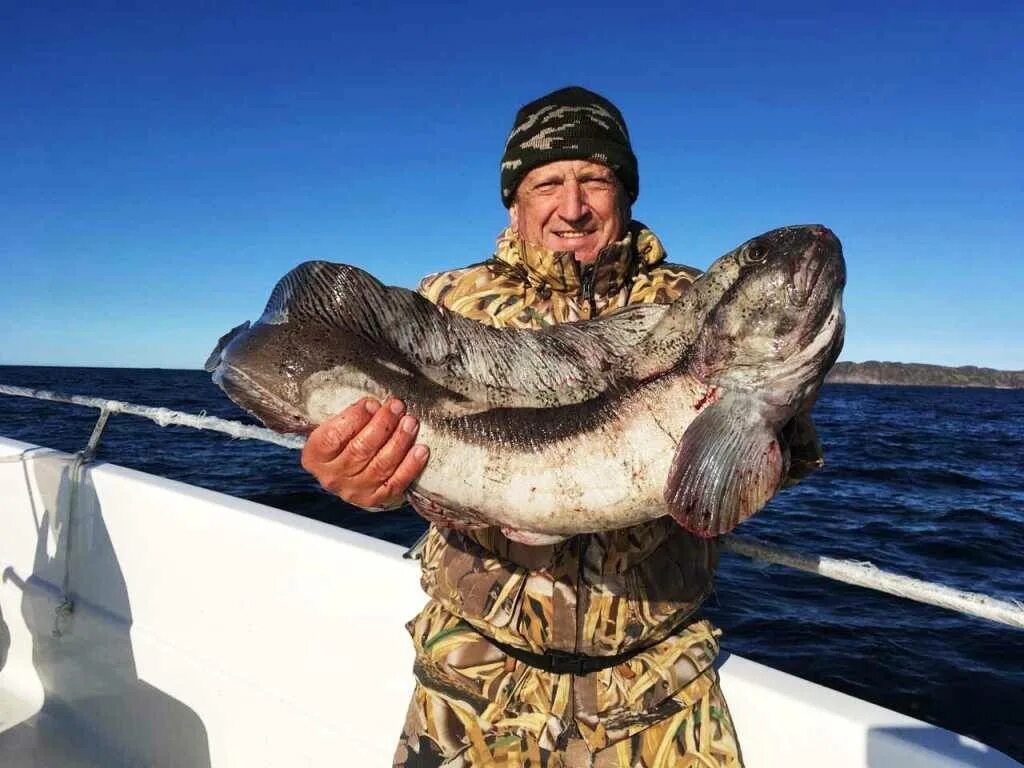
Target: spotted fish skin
(578,427)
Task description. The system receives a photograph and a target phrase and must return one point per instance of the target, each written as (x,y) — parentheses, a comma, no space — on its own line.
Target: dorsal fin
(563,364)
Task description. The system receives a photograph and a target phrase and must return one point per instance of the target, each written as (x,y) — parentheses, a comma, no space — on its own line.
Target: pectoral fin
(727,467)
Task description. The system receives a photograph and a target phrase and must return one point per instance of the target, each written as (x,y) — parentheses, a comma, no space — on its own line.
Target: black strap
(562,663)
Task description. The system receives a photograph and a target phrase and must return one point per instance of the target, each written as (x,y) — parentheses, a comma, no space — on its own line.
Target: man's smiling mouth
(573,235)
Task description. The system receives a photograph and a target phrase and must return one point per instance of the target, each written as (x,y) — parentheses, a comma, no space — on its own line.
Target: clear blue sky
(162,168)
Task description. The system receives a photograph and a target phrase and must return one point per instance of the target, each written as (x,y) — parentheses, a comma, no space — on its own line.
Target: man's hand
(366,454)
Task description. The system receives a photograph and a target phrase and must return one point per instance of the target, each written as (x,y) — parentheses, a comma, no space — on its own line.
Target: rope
(75,475)
(864,574)
(163,416)
(859,573)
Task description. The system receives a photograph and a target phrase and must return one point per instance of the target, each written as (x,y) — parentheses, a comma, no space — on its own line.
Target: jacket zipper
(587,275)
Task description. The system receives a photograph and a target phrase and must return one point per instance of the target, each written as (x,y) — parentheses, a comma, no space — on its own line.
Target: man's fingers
(371,438)
(328,440)
(384,463)
(366,454)
(408,470)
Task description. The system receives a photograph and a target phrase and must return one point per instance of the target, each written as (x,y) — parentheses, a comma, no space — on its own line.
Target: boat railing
(857,572)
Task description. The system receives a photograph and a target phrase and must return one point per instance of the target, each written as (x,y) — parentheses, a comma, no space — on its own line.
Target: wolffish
(681,409)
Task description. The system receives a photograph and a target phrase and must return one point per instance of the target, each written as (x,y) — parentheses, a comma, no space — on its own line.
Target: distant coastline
(923,375)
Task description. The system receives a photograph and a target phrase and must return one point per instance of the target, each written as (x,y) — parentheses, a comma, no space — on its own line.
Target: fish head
(259,372)
(778,327)
(263,367)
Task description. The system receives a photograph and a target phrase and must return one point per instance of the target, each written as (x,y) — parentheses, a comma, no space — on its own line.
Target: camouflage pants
(699,736)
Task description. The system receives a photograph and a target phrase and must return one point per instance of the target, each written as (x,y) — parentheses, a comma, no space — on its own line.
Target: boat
(147,622)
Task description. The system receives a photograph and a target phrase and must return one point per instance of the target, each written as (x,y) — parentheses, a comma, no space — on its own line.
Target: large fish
(685,408)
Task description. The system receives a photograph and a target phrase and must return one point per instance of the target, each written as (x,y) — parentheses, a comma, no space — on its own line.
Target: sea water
(920,481)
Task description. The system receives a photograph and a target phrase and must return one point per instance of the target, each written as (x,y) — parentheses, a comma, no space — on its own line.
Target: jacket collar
(617,264)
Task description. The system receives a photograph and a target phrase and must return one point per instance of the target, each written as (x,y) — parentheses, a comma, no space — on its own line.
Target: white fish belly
(608,477)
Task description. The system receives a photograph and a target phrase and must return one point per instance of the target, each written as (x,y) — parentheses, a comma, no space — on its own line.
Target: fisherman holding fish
(584,651)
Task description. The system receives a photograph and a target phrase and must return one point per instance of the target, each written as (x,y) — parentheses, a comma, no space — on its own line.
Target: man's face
(570,205)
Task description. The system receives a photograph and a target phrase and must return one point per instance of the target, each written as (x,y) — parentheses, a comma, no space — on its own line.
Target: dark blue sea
(925,482)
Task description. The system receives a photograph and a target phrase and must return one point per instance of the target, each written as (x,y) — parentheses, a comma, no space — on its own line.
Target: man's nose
(573,205)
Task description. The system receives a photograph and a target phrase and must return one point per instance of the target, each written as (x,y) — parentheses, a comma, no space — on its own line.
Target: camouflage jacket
(594,594)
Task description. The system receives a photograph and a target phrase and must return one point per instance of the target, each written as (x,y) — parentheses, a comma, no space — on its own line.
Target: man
(586,652)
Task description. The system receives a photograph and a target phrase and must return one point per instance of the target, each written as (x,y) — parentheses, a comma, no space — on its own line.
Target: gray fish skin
(674,409)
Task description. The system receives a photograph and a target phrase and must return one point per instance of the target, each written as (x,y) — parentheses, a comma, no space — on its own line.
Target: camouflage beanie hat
(568,124)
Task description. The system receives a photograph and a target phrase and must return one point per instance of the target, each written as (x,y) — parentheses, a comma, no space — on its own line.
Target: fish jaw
(780,327)
(818,269)
(275,412)
(796,382)
(264,369)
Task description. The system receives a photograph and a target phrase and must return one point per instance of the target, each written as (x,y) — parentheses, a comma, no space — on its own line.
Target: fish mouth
(276,413)
(822,257)
(217,355)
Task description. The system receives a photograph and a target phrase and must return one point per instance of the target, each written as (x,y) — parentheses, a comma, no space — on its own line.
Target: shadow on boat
(92,696)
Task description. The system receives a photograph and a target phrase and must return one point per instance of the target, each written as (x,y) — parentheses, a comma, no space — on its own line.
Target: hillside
(923,375)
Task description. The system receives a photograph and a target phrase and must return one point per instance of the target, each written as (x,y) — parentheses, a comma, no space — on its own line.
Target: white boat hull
(212,631)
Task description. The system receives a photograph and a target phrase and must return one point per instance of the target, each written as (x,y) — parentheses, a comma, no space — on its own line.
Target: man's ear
(513,216)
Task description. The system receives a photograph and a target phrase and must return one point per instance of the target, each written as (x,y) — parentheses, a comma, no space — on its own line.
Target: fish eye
(756,253)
